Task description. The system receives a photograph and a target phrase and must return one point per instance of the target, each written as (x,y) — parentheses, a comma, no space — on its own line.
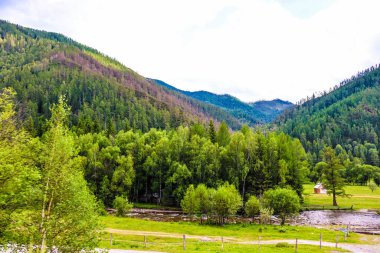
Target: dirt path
(131,251)
(171,235)
(357,248)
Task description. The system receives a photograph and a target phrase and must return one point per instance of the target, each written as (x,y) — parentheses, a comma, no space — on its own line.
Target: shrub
(284,202)
(282,245)
(122,206)
(252,207)
(265,215)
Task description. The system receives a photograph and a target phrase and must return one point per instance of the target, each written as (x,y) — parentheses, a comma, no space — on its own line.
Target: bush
(122,206)
(372,186)
(252,207)
(227,201)
(282,245)
(265,215)
(283,202)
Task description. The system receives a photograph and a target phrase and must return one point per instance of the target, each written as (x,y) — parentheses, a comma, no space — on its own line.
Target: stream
(367,222)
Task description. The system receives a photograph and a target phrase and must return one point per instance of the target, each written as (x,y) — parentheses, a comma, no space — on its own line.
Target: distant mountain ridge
(347,117)
(103,93)
(252,113)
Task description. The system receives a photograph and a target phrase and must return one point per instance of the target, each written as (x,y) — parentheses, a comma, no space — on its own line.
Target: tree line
(158,166)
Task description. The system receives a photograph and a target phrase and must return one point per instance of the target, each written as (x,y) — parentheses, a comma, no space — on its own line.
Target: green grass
(242,232)
(362,198)
(174,245)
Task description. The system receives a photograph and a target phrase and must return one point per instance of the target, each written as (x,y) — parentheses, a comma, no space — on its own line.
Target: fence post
(296,245)
(259,242)
(145,241)
(320,240)
(336,242)
(184,242)
(111,238)
(222,243)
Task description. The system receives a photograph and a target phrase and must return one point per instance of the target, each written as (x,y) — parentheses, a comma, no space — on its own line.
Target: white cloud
(258,49)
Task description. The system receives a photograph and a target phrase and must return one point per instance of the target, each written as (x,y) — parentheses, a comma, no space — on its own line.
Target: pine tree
(211,132)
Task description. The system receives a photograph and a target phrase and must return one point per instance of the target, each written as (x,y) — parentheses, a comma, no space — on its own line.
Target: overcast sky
(252,49)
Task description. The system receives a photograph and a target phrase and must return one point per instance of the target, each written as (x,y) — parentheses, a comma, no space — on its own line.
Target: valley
(95,155)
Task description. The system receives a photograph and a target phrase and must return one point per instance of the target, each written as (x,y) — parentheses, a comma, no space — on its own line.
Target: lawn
(362,198)
(176,245)
(242,232)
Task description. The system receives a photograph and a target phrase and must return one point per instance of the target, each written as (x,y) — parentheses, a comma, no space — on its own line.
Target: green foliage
(283,202)
(265,215)
(52,205)
(189,201)
(223,135)
(283,245)
(204,197)
(19,176)
(122,205)
(372,186)
(226,201)
(252,207)
(332,174)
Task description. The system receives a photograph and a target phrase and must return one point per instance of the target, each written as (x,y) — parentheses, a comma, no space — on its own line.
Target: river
(358,221)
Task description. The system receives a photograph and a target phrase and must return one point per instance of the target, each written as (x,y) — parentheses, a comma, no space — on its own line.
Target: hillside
(252,113)
(103,93)
(348,115)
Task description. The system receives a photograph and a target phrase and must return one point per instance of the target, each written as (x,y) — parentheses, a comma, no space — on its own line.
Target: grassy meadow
(361,198)
(240,232)
(236,234)
(176,245)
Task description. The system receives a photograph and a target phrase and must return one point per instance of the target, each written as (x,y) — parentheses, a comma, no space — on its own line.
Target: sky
(252,49)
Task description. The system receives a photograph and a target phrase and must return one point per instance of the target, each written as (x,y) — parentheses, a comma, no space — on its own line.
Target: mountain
(252,113)
(102,93)
(347,117)
(270,110)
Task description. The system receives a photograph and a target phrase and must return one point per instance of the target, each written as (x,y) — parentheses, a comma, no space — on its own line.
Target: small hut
(319,189)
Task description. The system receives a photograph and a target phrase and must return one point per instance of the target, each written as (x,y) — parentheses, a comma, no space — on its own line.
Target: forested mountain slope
(102,93)
(251,113)
(348,115)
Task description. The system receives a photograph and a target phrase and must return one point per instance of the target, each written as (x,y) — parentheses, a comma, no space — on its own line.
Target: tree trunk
(42,229)
(160,191)
(334,199)
(243,192)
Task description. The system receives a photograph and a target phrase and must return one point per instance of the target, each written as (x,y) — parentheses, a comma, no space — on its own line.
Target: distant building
(319,189)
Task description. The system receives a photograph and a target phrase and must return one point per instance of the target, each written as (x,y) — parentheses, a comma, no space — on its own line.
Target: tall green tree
(211,131)
(19,176)
(223,135)
(189,201)
(332,174)
(68,216)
